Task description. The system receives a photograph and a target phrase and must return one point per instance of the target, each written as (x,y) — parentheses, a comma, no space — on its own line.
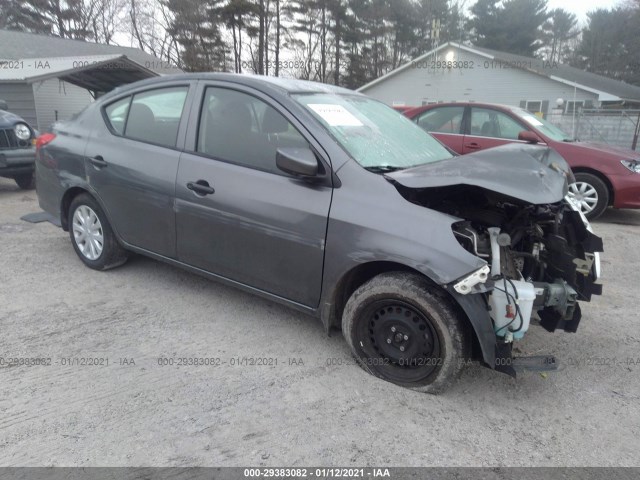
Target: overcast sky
(582,7)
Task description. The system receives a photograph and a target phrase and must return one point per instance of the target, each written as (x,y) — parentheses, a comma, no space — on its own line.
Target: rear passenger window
(154,115)
(242,129)
(117,114)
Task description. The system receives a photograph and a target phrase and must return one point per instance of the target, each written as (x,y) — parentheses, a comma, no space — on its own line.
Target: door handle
(98,161)
(200,187)
(472,145)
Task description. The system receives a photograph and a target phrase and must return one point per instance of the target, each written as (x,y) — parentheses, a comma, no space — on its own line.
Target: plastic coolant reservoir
(504,314)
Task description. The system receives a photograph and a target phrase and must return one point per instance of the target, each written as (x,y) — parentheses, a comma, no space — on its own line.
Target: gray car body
(304,244)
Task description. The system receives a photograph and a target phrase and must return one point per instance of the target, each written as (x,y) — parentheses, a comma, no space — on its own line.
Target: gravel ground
(302,412)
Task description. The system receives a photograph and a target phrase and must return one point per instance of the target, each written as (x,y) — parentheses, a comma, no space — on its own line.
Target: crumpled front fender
(475,308)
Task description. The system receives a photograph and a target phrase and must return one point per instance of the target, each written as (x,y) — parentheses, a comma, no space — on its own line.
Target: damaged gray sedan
(333,204)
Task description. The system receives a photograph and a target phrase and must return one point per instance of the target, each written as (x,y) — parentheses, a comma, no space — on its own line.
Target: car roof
(423,108)
(260,82)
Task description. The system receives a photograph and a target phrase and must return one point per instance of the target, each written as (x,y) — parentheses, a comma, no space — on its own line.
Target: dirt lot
(134,412)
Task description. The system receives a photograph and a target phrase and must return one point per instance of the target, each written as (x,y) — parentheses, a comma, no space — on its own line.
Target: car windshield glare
(543,125)
(375,135)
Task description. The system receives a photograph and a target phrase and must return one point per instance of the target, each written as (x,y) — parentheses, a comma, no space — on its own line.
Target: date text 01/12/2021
(300,472)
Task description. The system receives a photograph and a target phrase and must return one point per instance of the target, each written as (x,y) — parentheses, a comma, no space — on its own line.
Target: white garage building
(456,72)
(44,79)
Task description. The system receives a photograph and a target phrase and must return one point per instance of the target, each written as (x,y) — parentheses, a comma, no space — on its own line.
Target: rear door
(237,215)
(445,123)
(132,160)
(490,127)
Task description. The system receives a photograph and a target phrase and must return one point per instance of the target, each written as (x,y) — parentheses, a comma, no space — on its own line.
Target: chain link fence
(614,127)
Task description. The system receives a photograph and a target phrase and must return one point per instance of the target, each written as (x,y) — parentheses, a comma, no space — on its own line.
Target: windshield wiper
(383,168)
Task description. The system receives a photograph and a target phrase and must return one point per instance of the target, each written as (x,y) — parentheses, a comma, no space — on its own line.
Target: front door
(237,215)
(490,128)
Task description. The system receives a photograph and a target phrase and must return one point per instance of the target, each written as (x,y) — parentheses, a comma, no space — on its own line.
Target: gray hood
(531,173)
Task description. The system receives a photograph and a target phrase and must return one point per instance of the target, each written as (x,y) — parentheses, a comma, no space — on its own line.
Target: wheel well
(602,177)
(67,198)
(356,277)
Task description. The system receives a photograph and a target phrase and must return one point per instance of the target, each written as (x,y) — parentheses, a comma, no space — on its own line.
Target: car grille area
(9,140)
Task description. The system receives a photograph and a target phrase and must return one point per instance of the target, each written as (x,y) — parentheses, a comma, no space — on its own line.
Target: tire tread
(413,287)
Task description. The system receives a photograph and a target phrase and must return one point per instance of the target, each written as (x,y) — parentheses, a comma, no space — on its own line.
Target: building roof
(608,89)
(16,45)
(97,73)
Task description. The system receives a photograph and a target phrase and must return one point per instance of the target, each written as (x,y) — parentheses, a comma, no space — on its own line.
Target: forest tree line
(345,42)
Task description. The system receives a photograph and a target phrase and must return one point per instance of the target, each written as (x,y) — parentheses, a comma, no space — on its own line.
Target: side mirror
(528,136)
(3,105)
(300,162)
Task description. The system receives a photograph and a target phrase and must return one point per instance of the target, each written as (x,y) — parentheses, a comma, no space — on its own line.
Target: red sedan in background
(605,175)
(402,108)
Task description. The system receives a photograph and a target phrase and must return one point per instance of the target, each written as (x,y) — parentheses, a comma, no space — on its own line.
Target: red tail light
(43,139)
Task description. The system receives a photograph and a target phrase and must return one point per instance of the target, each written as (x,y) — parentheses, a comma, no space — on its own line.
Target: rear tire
(401,330)
(92,236)
(591,194)
(26,181)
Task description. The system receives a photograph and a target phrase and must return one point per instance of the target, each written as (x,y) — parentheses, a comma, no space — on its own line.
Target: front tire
(401,330)
(92,236)
(591,194)
(26,181)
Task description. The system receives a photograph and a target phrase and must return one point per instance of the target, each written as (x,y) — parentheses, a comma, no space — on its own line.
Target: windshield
(375,135)
(543,125)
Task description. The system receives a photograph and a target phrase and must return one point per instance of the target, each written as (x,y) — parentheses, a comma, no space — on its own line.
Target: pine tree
(196,27)
(610,44)
(515,26)
(63,18)
(561,27)
(235,15)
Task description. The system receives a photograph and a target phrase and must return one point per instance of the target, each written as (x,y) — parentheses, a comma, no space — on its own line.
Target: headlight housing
(22,131)
(633,165)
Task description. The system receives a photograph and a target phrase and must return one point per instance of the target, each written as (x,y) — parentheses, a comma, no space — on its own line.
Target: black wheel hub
(403,337)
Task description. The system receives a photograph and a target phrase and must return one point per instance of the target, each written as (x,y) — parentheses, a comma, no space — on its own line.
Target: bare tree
(109,19)
(149,22)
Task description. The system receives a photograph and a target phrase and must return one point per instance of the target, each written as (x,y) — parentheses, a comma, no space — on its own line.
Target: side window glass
(117,114)
(442,120)
(491,123)
(481,123)
(509,128)
(242,129)
(154,115)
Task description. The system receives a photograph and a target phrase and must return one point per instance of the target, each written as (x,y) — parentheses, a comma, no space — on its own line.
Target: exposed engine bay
(540,258)
(535,253)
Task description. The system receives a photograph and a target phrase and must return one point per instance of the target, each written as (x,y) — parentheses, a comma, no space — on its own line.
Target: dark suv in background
(17,150)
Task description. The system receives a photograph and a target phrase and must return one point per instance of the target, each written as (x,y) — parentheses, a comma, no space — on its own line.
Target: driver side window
(239,128)
(487,122)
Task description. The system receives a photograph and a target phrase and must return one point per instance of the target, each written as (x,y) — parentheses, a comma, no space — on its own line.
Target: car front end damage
(511,209)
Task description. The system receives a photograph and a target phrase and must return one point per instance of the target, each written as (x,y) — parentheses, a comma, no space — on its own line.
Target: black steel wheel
(402,331)
(404,337)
